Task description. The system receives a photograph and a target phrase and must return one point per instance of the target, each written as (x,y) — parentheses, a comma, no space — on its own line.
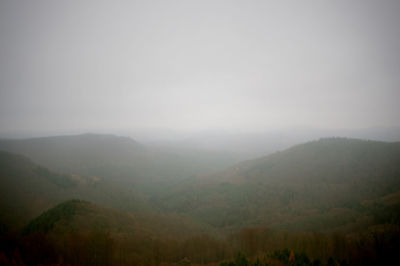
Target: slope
(83,217)
(27,189)
(120,159)
(318,185)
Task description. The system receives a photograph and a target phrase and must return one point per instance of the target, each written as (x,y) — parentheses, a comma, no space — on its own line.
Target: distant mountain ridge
(117,158)
(69,153)
(312,158)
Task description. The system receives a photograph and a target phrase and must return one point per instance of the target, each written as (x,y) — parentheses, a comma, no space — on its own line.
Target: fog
(196,66)
(199,132)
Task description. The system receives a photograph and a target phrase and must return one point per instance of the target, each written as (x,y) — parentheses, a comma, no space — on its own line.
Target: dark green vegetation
(111,201)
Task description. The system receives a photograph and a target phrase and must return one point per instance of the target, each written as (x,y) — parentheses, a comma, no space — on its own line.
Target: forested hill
(118,158)
(74,152)
(75,215)
(332,197)
(320,185)
(27,189)
(330,160)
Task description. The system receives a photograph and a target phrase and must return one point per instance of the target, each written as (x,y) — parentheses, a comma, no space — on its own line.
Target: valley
(332,199)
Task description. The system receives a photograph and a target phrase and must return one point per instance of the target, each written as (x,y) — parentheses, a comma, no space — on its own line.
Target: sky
(198,65)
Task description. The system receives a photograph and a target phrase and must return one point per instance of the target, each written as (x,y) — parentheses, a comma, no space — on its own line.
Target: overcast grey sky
(195,65)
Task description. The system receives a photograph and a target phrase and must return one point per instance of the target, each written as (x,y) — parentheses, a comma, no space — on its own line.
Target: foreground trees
(251,246)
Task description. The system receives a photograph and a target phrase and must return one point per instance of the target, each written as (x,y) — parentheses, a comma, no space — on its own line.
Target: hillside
(318,185)
(83,233)
(83,217)
(120,159)
(71,153)
(27,189)
(332,197)
(331,160)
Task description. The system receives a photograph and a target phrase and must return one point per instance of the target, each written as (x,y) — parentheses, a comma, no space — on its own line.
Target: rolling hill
(319,185)
(120,159)
(74,153)
(83,233)
(83,217)
(318,197)
(27,189)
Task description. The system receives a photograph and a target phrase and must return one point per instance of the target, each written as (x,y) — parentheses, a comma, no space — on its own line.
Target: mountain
(81,233)
(118,158)
(329,198)
(83,217)
(73,153)
(27,189)
(251,145)
(320,185)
